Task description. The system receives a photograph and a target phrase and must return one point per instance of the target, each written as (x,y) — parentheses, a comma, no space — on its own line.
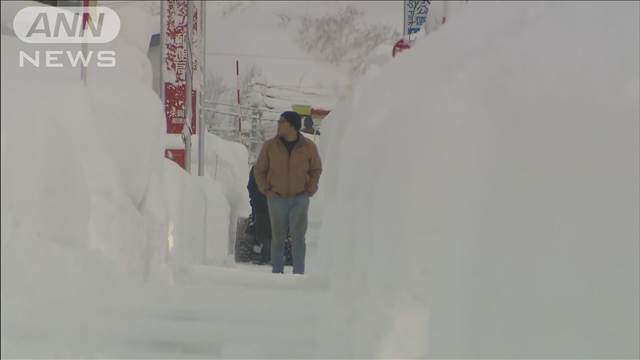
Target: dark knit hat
(292,118)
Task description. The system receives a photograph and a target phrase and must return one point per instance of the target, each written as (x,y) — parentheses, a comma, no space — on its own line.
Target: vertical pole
(188,98)
(404,18)
(254,133)
(444,12)
(85,46)
(202,36)
(238,98)
(162,57)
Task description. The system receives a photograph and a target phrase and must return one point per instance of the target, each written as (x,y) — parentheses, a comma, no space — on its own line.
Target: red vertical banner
(176,155)
(174,62)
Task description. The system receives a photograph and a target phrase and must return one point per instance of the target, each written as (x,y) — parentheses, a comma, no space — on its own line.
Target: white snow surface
(225,163)
(500,220)
(89,204)
(480,197)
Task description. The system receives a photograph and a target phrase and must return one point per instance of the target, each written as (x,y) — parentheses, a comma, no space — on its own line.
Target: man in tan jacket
(287,171)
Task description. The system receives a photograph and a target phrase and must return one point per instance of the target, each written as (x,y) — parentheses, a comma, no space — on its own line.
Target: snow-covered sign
(174,62)
(415,15)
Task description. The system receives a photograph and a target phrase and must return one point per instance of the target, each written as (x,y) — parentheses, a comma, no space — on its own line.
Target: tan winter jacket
(288,175)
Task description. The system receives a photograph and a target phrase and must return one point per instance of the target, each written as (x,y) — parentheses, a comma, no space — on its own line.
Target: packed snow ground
(501,223)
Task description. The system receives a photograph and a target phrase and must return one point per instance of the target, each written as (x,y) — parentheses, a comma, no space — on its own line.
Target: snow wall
(480,193)
(87,194)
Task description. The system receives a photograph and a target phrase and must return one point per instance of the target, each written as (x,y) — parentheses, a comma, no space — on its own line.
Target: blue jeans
(288,216)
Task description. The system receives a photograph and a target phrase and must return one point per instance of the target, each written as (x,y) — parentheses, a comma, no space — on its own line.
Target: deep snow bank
(83,165)
(77,160)
(480,195)
(226,162)
(88,201)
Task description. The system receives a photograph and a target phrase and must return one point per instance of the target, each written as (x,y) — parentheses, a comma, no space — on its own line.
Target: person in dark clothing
(308,127)
(260,215)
